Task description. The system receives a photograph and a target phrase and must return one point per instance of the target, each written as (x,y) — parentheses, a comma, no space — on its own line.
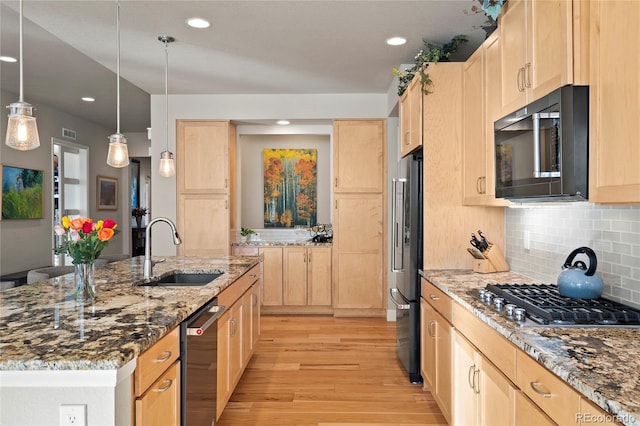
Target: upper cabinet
(537,39)
(614,150)
(358,155)
(411,117)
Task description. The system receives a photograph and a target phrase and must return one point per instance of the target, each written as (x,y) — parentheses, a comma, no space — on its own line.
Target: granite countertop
(45,329)
(277,243)
(600,363)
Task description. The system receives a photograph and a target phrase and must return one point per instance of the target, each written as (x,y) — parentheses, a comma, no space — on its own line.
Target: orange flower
(77,224)
(105,234)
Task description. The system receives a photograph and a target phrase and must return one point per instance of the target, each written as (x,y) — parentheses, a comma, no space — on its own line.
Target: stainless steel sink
(184,279)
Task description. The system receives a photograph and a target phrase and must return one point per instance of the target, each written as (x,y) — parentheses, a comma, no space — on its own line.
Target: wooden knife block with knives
(487,257)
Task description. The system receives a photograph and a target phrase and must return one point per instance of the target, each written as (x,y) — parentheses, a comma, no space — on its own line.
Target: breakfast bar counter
(601,363)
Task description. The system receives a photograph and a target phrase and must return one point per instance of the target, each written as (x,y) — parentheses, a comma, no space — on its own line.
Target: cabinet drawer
(229,295)
(591,413)
(547,391)
(492,344)
(436,298)
(161,403)
(155,360)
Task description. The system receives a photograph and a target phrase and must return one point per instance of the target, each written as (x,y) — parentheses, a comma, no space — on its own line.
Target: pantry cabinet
(537,44)
(411,117)
(614,151)
(205,154)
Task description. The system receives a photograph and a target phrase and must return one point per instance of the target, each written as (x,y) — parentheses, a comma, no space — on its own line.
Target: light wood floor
(327,371)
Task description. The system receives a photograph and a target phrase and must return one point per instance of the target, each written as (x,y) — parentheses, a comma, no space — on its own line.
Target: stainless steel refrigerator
(407,260)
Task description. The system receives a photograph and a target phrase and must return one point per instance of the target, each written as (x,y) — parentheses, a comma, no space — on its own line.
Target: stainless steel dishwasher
(199,358)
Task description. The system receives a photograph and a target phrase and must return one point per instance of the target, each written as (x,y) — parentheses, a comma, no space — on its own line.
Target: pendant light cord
(166,91)
(21,99)
(118,66)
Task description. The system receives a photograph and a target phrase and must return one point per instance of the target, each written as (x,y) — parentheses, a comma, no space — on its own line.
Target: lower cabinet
(482,395)
(238,333)
(307,276)
(157,383)
(528,413)
(271,276)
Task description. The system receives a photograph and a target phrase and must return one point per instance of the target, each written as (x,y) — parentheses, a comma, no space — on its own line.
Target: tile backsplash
(554,230)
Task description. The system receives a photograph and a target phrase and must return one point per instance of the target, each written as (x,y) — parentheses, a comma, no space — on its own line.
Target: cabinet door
(528,414)
(246,330)
(411,117)
(203,156)
(358,251)
(443,365)
(224,384)
(497,396)
(614,151)
(427,345)
(271,276)
(236,358)
(493,112)
(295,276)
(319,276)
(255,315)
(513,41)
(208,235)
(359,155)
(465,400)
(473,172)
(160,404)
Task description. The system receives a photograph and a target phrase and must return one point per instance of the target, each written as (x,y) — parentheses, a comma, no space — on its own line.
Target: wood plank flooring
(326,371)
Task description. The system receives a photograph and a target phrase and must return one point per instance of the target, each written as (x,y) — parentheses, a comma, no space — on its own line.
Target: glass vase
(85,284)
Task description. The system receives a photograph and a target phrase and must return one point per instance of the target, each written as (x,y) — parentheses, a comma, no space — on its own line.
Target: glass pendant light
(22,131)
(167,164)
(118,155)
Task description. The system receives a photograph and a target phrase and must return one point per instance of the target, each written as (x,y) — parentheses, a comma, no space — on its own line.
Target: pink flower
(74,235)
(87,227)
(109,224)
(59,230)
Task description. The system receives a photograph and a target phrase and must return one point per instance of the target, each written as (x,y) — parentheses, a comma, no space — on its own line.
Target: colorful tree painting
(290,187)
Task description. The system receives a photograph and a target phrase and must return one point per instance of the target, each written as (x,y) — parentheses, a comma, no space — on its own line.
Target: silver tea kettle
(576,280)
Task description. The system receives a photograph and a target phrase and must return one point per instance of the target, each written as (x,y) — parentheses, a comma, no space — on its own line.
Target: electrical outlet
(526,240)
(73,415)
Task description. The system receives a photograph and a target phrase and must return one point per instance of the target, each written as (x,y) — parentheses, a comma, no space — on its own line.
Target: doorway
(70,187)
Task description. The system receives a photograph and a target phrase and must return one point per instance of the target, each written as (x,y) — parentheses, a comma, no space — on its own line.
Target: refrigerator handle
(397,218)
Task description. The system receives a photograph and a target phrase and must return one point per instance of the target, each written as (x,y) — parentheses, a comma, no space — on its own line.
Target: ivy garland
(431,53)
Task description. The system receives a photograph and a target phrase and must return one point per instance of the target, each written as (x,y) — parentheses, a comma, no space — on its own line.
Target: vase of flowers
(83,240)
(138,213)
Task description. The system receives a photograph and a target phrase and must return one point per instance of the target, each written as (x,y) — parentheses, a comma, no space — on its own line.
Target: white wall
(27,244)
(242,108)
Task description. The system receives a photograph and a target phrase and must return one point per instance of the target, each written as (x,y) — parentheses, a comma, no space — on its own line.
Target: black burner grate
(545,305)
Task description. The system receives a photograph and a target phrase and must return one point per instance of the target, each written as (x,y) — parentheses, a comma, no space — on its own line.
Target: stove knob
(519,314)
(488,298)
(482,292)
(498,302)
(509,308)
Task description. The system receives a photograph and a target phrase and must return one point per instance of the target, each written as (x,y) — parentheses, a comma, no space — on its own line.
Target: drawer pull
(254,275)
(166,388)
(433,297)
(534,386)
(164,358)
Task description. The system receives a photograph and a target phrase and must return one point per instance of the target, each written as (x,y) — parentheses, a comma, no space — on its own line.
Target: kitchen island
(600,363)
(55,351)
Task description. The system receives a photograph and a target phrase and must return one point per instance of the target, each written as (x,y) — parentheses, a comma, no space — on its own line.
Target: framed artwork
(290,187)
(107,193)
(21,193)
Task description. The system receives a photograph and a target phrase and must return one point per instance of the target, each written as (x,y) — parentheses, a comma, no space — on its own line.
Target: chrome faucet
(148,265)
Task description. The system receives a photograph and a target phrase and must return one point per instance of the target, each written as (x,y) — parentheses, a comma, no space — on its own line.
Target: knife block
(494,261)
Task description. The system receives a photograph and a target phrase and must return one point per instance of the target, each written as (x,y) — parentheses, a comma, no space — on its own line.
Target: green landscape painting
(290,187)
(21,193)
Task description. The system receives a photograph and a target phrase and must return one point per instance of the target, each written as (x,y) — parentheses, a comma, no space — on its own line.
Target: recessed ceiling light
(8,59)
(198,23)
(283,122)
(396,41)
(88,99)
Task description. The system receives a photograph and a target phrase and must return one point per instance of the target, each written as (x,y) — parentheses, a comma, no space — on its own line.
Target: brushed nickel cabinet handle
(526,75)
(534,386)
(520,78)
(407,138)
(433,297)
(164,358)
(478,188)
(476,383)
(471,376)
(430,329)
(165,388)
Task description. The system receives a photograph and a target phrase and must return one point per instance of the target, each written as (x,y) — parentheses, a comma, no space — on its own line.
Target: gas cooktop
(541,305)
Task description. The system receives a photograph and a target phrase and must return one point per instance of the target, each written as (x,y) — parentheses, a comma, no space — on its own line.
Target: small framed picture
(21,193)
(107,193)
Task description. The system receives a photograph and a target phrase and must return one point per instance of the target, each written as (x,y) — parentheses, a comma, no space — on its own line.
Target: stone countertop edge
(600,363)
(51,331)
(279,243)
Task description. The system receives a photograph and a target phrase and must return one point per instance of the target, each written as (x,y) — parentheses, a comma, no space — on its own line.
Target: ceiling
(252,47)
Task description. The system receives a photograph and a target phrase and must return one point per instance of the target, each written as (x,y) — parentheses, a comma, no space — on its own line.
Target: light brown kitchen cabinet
(590,413)
(435,345)
(272,278)
(529,414)
(205,154)
(614,151)
(359,160)
(157,382)
(482,395)
(307,276)
(411,117)
(537,42)
(238,330)
(481,107)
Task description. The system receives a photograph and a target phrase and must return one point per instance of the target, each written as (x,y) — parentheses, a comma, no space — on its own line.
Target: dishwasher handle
(198,330)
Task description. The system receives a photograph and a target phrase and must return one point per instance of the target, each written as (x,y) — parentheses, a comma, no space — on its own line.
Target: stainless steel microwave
(542,150)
